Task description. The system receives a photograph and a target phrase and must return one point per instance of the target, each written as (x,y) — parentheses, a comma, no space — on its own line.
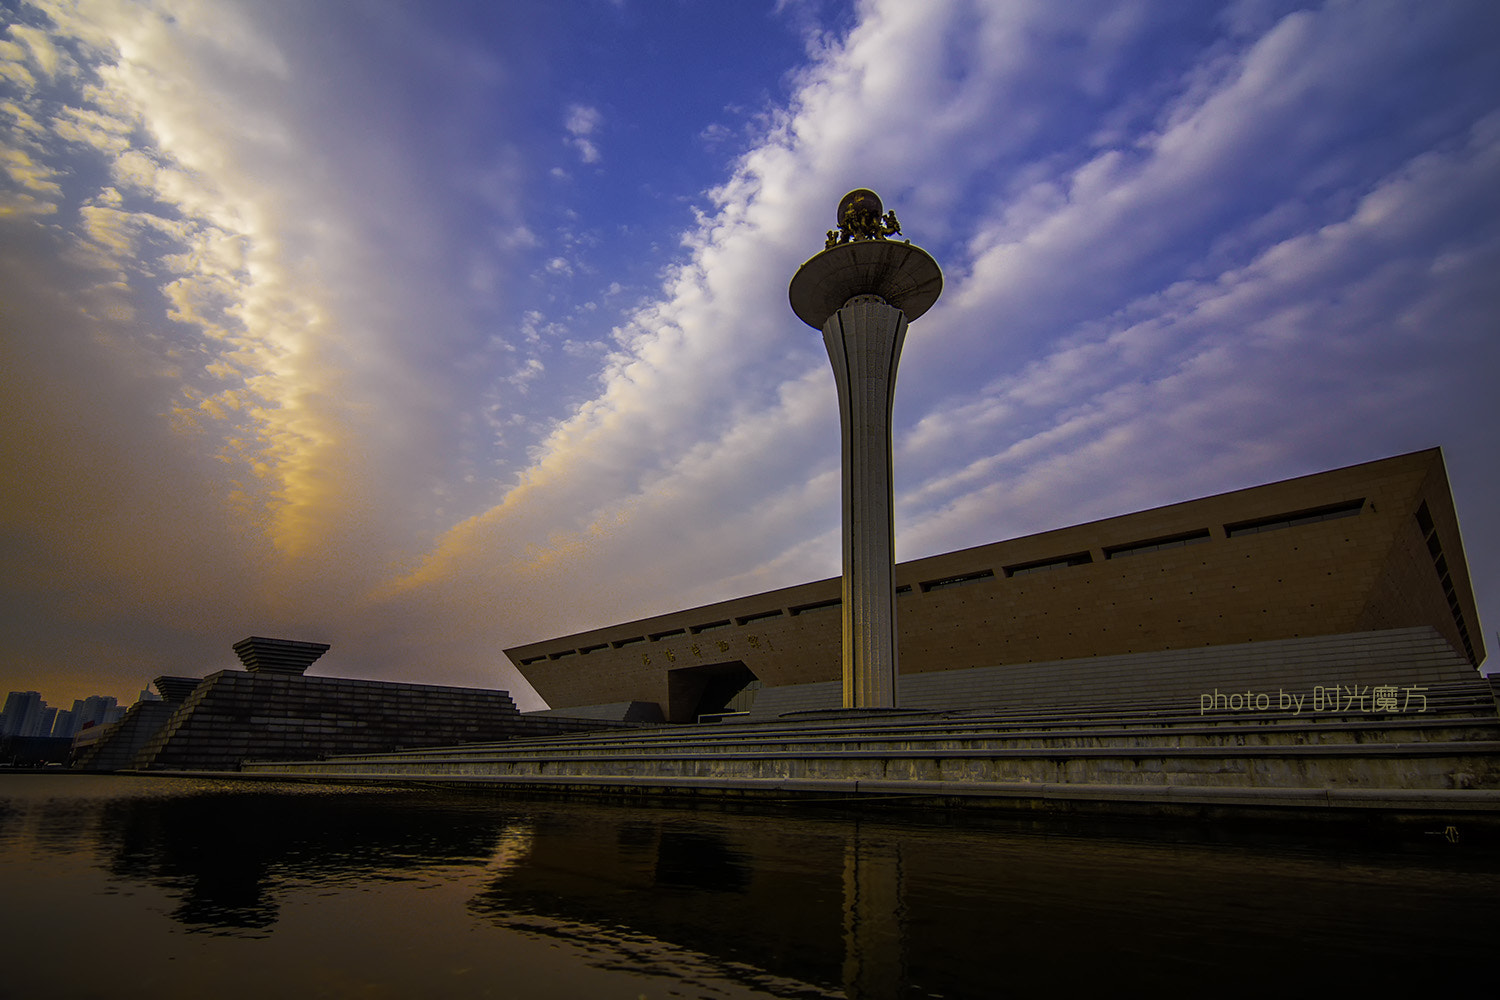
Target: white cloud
(34,185)
(582,122)
(1234,369)
(231,292)
(529,371)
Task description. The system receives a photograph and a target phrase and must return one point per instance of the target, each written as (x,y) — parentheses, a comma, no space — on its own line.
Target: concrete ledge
(949,728)
(1402,800)
(1134,763)
(548,756)
(1467,728)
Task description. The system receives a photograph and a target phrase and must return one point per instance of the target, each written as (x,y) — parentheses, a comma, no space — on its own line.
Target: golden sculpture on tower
(860,219)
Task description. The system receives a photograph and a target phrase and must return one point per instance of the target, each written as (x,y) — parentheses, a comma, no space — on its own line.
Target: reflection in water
(659,891)
(391,892)
(228,855)
(879,909)
(874,915)
(689,859)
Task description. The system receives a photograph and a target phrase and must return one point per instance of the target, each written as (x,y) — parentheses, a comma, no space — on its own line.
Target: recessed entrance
(695,691)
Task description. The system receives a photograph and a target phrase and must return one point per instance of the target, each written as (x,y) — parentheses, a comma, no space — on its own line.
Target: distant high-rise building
(24,714)
(66,724)
(98,710)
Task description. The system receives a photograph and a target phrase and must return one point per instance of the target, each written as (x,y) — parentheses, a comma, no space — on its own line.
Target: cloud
(715,134)
(233,292)
(529,371)
(1245,362)
(33,186)
(581,123)
(217,250)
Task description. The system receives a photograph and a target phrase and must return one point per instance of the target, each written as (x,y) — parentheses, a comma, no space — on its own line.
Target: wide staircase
(1436,748)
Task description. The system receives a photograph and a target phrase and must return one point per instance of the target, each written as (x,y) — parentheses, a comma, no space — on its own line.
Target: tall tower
(861,291)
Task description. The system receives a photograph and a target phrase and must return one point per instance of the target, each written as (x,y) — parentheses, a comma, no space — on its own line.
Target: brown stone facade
(1363,548)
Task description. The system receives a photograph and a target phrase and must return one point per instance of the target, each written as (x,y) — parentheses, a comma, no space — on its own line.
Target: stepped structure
(115,747)
(272,711)
(1365,549)
(278,656)
(1433,755)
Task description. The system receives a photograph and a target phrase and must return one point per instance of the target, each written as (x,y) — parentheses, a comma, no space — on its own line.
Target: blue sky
(430,329)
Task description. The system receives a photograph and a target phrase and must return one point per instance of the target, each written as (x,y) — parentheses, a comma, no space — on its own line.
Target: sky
(429,329)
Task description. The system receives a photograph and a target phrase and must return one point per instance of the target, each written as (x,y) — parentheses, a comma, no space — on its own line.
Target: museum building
(1350,577)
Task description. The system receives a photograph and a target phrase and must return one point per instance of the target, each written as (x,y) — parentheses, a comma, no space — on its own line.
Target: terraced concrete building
(272,711)
(1345,578)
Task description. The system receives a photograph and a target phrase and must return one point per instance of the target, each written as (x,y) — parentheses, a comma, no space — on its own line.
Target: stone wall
(1319,672)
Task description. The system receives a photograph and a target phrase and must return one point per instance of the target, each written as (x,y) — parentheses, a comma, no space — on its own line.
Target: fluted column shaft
(864,341)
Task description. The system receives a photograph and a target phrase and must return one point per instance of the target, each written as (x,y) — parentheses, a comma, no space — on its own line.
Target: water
(116,886)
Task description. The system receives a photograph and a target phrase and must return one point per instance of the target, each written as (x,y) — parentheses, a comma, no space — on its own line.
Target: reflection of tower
(874,919)
(861,291)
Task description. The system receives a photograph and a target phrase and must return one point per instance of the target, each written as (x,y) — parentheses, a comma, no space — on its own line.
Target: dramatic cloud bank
(353,326)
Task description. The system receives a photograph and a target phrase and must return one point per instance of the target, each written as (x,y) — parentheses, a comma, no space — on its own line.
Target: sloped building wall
(118,746)
(1425,575)
(1333,553)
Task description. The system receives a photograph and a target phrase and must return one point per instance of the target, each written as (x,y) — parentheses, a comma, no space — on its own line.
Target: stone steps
(1461,765)
(1286,739)
(1447,757)
(1461,713)
(1269,734)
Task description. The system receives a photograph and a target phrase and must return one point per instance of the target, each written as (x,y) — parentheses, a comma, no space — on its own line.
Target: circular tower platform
(903,275)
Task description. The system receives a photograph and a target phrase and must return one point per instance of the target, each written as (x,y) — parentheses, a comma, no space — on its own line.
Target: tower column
(864,345)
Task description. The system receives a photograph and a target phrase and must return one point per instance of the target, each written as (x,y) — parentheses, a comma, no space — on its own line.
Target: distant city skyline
(427,330)
(26,713)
